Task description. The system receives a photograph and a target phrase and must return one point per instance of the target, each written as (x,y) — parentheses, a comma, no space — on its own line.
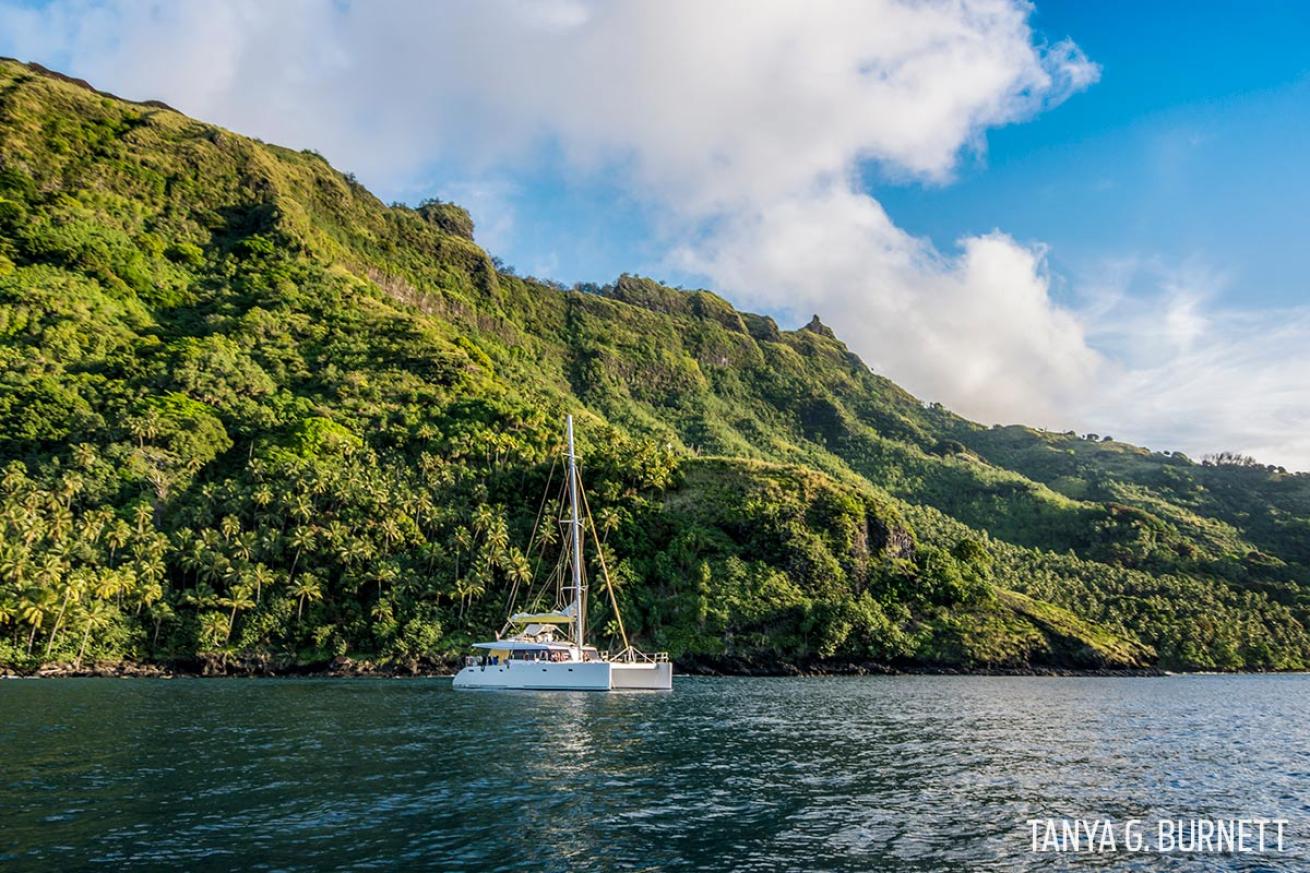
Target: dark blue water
(914,773)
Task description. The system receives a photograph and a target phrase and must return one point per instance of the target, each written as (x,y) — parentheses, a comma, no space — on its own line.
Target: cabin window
(526,655)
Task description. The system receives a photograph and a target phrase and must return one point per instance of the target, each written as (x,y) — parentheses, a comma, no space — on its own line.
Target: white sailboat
(548,649)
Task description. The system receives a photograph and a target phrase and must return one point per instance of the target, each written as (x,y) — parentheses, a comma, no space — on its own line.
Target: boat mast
(579,591)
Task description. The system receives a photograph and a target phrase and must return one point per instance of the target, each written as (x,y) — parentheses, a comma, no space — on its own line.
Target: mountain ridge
(243,331)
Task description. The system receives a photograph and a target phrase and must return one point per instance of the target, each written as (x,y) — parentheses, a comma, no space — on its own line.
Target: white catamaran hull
(568,676)
(656,676)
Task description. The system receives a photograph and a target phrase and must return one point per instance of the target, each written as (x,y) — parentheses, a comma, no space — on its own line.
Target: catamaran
(548,649)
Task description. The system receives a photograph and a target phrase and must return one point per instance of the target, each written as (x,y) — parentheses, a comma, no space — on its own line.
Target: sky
(1078,216)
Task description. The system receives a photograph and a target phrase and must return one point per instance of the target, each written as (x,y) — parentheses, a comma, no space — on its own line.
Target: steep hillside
(248,409)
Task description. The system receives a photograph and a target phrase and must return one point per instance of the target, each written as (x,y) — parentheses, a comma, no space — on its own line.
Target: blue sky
(1191,147)
(1075,215)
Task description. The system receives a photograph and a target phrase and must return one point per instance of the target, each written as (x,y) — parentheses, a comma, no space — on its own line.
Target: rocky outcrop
(816,326)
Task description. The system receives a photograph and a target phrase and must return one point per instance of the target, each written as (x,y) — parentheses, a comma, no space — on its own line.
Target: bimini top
(522,646)
(559,616)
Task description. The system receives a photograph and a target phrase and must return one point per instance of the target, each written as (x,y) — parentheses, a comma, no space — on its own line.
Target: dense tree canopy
(245,408)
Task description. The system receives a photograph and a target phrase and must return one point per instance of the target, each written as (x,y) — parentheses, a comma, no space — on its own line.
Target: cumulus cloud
(722,101)
(978,330)
(745,125)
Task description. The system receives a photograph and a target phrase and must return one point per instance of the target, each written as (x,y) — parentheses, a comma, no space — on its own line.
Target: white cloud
(1197,376)
(978,331)
(725,101)
(744,123)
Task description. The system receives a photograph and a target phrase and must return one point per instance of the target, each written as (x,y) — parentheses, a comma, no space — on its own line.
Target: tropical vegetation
(248,410)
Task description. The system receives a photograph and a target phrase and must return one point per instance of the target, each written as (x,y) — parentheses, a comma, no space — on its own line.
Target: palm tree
(84,455)
(16,565)
(301,538)
(32,525)
(269,543)
(306,588)
(423,509)
(262,495)
(8,612)
(96,617)
(194,556)
(464,587)
(232,573)
(52,568)
(72,592)
(335,535)
(261,576)
(519,571)
(609,521)
(482,518)
(151,593)
(463,541)
(68,487)
(60,524)
(387,573)
(201,596)
(431,552)
(144,427)
(142,513)
(239,599)
(108,585)
(15,477)
(354,551)
(302,507)
(243,545)
(482,575)
(213,625)
(391,533)
(32,609)
(160,612)
(92,526)
(546,532)
(117,536)
(497,542)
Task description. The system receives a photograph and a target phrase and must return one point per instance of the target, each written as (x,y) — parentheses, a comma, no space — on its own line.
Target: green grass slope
(246,409)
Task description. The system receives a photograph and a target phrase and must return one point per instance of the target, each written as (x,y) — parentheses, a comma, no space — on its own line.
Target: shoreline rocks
(267,666)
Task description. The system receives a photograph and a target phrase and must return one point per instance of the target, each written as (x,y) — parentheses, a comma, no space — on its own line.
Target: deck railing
(634,654)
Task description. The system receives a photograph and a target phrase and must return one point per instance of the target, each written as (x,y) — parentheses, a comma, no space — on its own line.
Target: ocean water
(879,773)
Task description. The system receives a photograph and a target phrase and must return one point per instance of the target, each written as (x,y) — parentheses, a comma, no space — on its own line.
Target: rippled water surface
(916,773)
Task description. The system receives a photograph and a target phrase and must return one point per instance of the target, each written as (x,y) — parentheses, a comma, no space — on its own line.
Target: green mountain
(248,410)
